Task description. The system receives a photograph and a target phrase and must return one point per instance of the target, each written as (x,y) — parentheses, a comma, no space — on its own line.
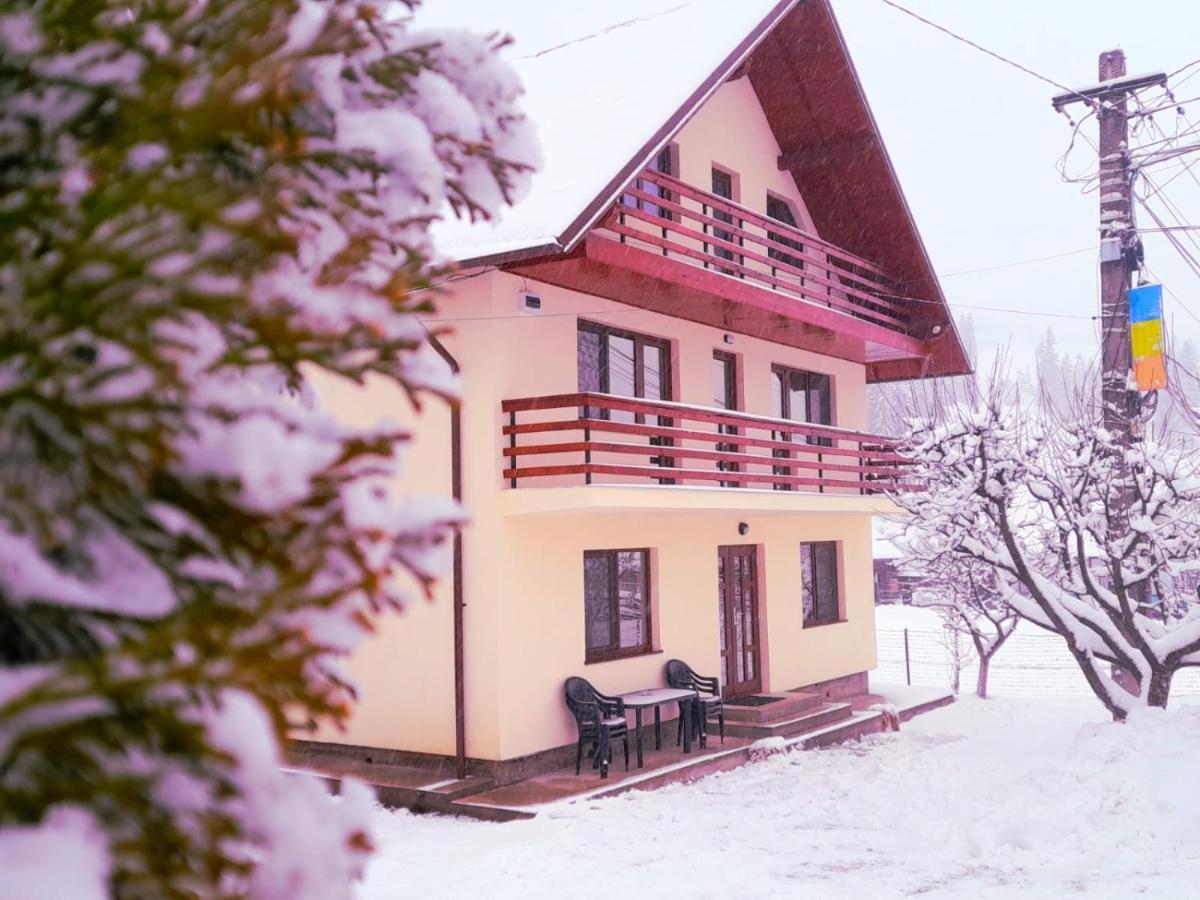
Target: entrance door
(737,596)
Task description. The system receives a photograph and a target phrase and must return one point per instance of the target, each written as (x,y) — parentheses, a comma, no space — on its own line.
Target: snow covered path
(1002,798)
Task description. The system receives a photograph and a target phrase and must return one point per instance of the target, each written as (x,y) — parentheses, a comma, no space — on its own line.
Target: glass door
(627,364)
(802,397)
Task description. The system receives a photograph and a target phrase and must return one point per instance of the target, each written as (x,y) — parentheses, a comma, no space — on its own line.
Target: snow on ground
(998,798)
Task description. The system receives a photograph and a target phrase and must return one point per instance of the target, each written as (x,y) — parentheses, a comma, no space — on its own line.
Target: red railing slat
(819,272)
(868,462)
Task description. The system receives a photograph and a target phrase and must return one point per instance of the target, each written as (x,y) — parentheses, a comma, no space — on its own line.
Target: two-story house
(664,353)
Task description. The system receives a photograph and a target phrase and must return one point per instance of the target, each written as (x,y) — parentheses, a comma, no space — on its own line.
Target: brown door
(737,595)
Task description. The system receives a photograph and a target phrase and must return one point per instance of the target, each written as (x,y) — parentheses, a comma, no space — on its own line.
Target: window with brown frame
(819,583)
(781,211)
(616,603)
(802,397)
(725,397)
(722,186)
(628,364)
(664,161)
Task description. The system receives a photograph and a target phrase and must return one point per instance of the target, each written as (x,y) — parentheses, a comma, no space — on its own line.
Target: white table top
(655,696)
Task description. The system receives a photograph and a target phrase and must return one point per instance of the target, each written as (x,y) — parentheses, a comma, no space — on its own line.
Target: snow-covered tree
(1038,499)
(963,592)
(203,204)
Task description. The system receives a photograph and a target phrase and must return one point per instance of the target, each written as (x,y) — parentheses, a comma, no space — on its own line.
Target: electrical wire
(1170,293)
(1177,215)
(1194,62)
(991,53)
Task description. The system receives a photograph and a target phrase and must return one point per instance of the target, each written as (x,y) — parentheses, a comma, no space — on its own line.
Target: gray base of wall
(508,771)
(502,771)
(839,688)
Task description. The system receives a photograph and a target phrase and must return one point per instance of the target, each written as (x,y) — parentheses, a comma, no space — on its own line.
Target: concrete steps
(810,718)
(759,708)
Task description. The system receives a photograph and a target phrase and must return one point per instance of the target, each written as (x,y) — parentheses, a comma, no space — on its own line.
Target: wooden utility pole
(1121,406)
(1119,256)
(1118,239)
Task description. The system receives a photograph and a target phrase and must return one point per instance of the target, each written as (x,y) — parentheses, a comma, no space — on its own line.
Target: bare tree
(966,597)
(1039,499)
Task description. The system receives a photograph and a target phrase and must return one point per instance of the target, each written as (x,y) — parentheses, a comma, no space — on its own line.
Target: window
(802,397)
(612,361)
(819,582)
(616,603)
(663,162)
(725,397)
(722,186)
(781,211)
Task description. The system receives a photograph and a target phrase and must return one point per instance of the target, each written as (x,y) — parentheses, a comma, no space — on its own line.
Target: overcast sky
(975,144)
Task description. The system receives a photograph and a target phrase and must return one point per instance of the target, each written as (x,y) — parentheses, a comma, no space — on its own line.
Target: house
(664,354)
(892,583)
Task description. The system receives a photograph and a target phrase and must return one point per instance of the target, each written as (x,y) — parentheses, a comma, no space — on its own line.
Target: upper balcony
(569,440)
(671,247)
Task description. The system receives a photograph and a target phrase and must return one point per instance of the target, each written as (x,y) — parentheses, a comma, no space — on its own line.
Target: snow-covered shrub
(1036,498)
(201,204)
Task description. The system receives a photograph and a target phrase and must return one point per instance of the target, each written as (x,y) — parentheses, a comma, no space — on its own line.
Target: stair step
(825,714)
(781,706)
(454,788)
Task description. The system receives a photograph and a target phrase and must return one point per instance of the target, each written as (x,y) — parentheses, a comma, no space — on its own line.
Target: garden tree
(203,204)
(1033,496)
(965,596)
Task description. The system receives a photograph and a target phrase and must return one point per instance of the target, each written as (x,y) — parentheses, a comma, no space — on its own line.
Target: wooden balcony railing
(631,441)
(682,222)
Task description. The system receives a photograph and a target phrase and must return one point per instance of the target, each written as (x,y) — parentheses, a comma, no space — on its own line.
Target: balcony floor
(656,499)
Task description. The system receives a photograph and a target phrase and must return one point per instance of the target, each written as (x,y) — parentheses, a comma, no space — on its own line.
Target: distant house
(892,584)
(664,354)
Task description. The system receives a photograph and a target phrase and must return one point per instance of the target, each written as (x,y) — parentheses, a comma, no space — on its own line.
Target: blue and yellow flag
(1146,335)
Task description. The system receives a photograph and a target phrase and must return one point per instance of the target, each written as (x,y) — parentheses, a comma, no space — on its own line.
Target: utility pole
(1119,256)
(1118,239)
(1121,406)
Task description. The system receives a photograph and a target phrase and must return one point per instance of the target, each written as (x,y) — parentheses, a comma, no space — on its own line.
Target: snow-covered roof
(602,80)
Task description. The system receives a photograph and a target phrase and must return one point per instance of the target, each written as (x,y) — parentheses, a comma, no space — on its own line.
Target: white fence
(1032,663)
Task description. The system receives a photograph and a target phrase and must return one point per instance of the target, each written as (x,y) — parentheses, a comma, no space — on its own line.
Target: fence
(1030,664)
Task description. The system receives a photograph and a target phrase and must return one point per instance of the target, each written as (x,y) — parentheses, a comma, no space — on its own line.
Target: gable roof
(607,85)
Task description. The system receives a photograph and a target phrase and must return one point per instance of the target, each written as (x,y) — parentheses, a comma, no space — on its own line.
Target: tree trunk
(1160,687)
(981,683)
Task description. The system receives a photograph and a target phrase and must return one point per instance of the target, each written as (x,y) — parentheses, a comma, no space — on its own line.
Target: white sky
(975,142)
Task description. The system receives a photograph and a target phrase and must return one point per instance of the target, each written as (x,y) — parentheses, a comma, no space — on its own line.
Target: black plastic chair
(600,719)
(708,691)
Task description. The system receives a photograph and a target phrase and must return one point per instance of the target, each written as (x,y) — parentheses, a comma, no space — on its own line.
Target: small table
(656,697)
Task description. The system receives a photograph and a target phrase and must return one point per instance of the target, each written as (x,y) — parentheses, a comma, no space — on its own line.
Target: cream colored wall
(731,132)
(543,624)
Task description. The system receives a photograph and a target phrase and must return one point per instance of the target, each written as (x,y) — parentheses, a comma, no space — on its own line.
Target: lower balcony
(584,439)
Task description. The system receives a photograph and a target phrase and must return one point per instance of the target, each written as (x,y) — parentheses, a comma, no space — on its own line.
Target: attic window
(663,162)
(781,211)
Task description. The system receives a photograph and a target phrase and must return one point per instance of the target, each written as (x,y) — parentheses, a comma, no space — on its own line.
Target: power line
(1182,68)
(982,49)
(1020,262)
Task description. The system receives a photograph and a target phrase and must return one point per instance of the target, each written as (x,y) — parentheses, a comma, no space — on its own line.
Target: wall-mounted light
(936,330)
(728,338)
(743,529)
